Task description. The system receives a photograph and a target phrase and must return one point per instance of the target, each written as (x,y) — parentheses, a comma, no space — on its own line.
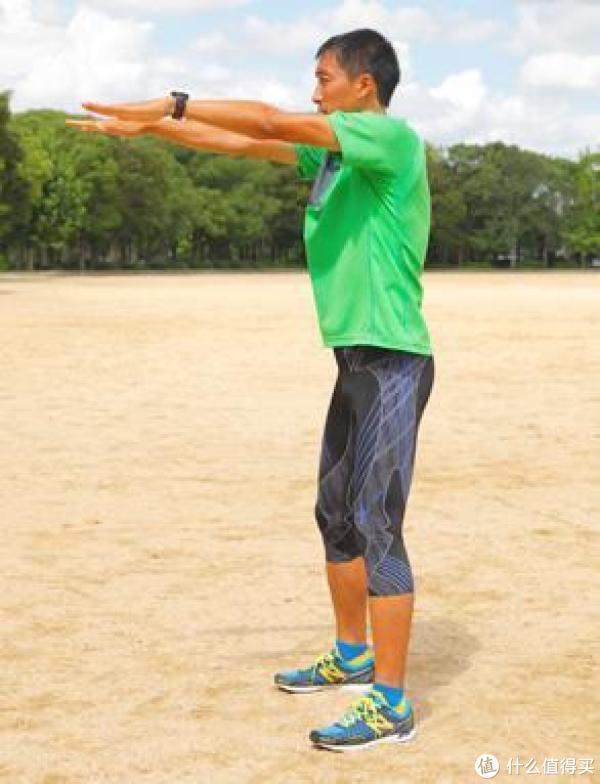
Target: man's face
(335,90)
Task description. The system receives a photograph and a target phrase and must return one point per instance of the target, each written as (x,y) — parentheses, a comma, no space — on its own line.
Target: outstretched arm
(250,118)
(206,137)
(194,134)
(262,121)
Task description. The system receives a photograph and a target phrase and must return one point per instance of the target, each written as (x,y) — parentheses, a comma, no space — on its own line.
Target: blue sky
(522,71)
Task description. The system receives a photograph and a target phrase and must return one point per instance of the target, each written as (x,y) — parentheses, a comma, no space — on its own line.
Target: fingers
(119,112)
(101,108)
(110,127)
(96,126)
(83,125)
(135,112)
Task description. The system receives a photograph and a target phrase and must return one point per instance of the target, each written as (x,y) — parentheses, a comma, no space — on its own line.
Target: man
(366,232)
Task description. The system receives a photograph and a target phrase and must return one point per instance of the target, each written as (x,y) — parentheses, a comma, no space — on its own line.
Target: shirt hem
(331,341)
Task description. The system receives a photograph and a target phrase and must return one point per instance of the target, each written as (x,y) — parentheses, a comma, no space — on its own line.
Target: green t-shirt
(366,231)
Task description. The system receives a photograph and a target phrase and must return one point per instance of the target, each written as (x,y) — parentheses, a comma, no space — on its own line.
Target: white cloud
(461,28)
(22,39)
(98,56)
(557,25)
(464,90)
(404,23)
(463,109)
(358,13)
(271,91)
(210,44)
(403,53)
(548,127)
(282,38)
(562,70)
(14,13)
(222,84)
(411,22)
(304,36)
(49,10)
(170,6)
(559,39)
(447,113)
(94,55)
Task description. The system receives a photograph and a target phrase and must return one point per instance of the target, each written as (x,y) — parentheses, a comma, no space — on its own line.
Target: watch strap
(180,102)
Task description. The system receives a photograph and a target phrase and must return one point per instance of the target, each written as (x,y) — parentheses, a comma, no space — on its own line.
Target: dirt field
(159,443)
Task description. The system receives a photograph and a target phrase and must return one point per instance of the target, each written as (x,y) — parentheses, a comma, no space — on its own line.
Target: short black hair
(367,51)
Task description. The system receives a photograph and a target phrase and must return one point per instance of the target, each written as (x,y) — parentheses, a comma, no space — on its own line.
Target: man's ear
(366,84)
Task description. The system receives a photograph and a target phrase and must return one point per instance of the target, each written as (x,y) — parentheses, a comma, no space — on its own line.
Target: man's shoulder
(402,128)
(377,142)
(380,120)
(382,128)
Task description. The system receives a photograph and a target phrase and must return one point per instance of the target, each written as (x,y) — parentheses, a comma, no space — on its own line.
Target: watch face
(180,101)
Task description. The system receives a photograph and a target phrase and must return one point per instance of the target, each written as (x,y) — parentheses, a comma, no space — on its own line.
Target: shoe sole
(362,746)
(356,687)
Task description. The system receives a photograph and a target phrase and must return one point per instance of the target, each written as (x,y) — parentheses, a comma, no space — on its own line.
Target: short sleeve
(309,160)
(375,141)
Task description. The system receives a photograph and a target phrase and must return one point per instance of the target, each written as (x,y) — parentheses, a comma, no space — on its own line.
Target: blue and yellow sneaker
(368,722)
(329,670)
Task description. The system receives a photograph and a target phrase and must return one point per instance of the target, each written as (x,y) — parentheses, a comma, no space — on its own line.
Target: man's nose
(316,96)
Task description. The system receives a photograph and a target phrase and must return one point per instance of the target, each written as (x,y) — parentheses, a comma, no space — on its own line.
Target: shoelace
(324,660)
(365,708)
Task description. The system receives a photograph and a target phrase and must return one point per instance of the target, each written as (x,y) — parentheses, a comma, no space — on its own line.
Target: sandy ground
(159,442)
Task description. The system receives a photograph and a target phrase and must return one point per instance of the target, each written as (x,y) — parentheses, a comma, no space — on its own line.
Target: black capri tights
(367,459)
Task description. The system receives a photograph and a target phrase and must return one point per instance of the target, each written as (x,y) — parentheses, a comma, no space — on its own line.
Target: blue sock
(350,650)
(393,695)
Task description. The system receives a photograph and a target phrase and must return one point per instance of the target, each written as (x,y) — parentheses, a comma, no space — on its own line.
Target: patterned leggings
(367,459)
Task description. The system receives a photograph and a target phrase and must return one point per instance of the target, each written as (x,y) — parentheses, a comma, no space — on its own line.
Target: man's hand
(145,110)
(110,127)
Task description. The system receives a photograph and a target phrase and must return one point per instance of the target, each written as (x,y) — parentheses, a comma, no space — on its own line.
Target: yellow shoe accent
(331,672)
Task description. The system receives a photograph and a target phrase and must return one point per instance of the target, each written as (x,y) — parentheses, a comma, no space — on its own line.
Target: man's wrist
(169,106)
(180,99)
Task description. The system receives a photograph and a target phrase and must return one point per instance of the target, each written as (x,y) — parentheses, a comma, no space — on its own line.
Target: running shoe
(369,721)
(329,670)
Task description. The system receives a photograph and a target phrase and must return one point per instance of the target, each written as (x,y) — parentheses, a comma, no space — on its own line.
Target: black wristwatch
(180,102)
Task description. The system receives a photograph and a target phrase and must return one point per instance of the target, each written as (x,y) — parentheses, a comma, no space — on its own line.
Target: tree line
(71,200)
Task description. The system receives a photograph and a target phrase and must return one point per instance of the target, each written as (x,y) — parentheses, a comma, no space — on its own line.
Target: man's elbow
(271,125)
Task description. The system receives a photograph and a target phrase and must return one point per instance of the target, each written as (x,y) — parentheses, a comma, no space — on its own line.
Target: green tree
(97,169)
(582,229)
(448,239)
(69,199)
(57,193)
(15,191)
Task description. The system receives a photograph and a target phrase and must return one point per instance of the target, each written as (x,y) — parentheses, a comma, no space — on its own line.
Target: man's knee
(341,540)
